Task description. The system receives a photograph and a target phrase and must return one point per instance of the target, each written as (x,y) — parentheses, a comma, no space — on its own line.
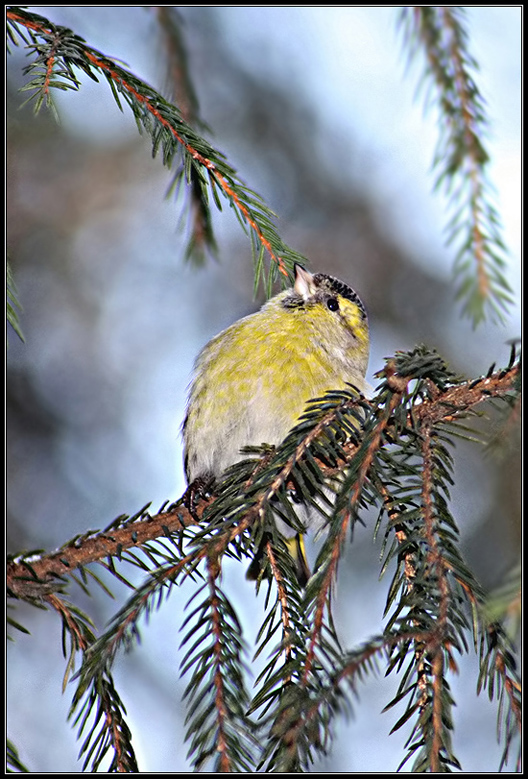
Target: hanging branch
(352,490)
(60,53)
(218,727)
(430,607)
(181,92)
(432,592)
(461,158)
(13,761)
(12,303)
(103,712)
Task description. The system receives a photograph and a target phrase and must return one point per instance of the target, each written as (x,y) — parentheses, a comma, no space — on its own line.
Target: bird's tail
(297,552)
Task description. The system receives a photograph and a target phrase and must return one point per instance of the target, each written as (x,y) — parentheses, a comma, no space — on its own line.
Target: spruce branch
(60,52)
(181,92)
(28,575)
(77,628)
(96,705)
(432,590)
(179,84)
(437,751)
(14,764)
(504,604)
(32,575)
(12,303)
(391,452)
(461,158)
(498,674)
(285,611)
(218,701)
(322,640)
(104,706)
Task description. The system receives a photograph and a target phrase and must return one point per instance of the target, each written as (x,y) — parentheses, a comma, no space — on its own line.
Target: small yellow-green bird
(252,381)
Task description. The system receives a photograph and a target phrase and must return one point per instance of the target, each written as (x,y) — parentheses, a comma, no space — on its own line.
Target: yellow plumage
(253,380)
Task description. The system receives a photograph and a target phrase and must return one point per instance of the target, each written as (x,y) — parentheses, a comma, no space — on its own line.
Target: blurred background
(317,110)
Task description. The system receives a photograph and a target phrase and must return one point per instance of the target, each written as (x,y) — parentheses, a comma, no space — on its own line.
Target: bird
(252,381)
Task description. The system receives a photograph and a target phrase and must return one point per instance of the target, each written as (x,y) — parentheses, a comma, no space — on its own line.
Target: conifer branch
(282,597)
(497,663)
(217,723)
(352,492)
(300,690)
(181,92)
(60,52)
(13,762)
(103,703)
(353,667)
(498,674)
(223,760)
(461,158)
(34,574)
(440,635)
(77,627)
(12,303)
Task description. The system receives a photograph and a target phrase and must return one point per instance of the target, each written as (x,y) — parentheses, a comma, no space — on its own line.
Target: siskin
(252,381)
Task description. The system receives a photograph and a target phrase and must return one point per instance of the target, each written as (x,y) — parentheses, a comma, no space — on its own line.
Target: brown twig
(434,646)
(218,679)
(282,595)
(34,575)
(399,385)
(472,147)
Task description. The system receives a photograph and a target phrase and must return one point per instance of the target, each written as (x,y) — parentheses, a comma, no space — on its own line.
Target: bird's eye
(332,304)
